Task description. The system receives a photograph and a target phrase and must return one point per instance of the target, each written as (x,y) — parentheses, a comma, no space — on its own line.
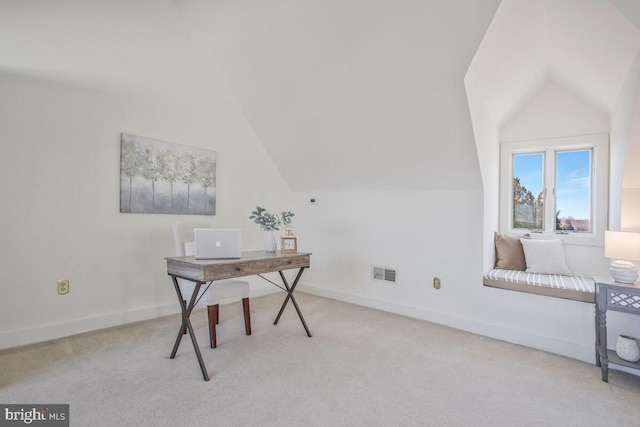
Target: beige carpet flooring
(362,367)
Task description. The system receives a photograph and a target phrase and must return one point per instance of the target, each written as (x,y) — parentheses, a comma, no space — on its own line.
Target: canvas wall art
(165,178)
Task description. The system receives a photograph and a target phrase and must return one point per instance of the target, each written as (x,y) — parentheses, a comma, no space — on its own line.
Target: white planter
(270,242)
(627,348)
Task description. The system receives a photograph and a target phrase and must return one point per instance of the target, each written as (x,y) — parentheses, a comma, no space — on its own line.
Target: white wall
(487,141)
(629,177)
(427,234)
(553,112)
(441,233)
(60,124)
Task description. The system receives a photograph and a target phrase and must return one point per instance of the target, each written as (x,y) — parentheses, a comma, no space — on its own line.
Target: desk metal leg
(293,300)
(186,322)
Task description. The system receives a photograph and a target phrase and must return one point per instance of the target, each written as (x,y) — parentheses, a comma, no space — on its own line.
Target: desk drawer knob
(238,269)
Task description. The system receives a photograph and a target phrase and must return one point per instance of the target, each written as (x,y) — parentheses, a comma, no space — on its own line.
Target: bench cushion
(575,288)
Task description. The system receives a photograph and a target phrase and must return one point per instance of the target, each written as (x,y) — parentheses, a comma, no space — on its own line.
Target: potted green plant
(270,222)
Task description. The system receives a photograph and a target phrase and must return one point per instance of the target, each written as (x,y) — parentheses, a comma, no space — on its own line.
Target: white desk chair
(220,291)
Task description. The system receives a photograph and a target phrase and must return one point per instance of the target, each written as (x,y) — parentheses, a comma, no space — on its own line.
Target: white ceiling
(119,45)
(343,94)
(587,46)
(351,94)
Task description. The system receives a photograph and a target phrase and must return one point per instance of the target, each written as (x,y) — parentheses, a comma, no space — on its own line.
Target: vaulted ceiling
(351,94)
(343,94)
(587,46)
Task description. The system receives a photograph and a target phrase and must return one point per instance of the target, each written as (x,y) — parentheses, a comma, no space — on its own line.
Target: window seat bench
(575,288)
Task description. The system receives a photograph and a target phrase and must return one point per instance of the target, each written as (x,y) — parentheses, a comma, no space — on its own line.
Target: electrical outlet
(63,286)
(436,282)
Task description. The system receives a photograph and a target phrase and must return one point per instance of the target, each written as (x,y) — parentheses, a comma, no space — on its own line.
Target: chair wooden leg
(247,315)
(212,311)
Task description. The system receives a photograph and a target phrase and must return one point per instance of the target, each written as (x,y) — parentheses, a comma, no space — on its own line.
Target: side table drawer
(627,300)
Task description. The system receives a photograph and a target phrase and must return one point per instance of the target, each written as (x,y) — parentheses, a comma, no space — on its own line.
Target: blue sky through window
(573,183)
(573,179)
(529,168)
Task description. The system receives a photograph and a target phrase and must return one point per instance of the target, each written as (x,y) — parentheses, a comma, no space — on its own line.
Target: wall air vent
(384,274)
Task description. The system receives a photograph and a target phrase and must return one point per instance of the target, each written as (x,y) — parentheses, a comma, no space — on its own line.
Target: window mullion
(550,193)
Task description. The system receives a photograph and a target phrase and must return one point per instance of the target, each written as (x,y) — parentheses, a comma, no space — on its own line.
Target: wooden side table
(613,296)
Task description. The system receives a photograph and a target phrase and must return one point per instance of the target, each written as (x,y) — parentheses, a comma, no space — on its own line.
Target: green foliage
(522,196)
(268,221)
(527,208)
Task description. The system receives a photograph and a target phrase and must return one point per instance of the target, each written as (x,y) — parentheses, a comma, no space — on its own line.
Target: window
(556,187)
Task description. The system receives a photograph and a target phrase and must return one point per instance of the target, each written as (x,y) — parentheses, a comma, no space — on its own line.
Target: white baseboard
(70,327)
(585,353)
(76,326)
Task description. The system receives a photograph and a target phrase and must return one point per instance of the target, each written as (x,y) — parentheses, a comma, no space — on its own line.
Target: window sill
(587,239)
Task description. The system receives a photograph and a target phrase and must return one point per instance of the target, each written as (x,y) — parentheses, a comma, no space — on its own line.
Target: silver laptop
(216,243)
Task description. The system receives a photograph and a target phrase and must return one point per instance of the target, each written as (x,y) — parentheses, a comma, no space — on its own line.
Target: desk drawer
(249,268)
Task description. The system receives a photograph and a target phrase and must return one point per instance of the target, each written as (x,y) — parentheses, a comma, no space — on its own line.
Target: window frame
(599,144)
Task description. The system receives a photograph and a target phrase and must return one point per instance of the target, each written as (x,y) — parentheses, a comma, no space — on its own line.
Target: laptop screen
(217,243)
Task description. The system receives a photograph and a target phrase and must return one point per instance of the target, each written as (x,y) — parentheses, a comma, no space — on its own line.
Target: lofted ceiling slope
(587,46)
(118,45)
(343,94)
(352,95)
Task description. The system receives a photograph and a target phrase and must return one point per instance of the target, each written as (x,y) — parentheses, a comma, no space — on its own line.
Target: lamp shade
(622,245)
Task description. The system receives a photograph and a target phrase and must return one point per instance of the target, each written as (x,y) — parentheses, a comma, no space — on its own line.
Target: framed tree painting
(166,178)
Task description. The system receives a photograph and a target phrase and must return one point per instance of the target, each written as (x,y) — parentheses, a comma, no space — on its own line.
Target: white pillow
(545,256)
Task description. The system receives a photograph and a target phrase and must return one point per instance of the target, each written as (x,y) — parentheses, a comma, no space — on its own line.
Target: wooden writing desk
(250,263)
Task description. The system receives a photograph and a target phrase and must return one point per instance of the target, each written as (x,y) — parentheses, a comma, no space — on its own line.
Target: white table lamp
(624,247)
